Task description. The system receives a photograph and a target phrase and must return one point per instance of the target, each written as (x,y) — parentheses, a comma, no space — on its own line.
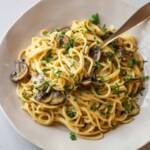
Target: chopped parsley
(66,88)
(103,113)
(127,106)
(68,45)
(132,62)
(71,114)
(128,78)
(56,72)
(104,28)
(45,85)
(62,33)
(97,42)
(47,57)
(45,70)
(87,30)
(109,55)
(115,89)
(95,19)
(95,38)
(26,95)
(97,64)
(113,46)
(146,78)
(72,136)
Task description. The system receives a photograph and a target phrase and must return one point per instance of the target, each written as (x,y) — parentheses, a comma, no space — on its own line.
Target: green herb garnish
(73,136)
(104,28)
(71,42)
(109,55)
(95,19)
(112,45)
(115,89)
(66,88)
(45,85)
(71,114)
(68,45)
(131,62)
(128,78)
(97,64)
(103,113)
(97,42)
(62,33)
(56,72)
(26,95)
(95,38)
(146,78)
(45,70)
(127,106)
(47,57)
(109,107)
(87,30)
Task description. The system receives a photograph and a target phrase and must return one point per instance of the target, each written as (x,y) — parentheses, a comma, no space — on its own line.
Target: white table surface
(10,10)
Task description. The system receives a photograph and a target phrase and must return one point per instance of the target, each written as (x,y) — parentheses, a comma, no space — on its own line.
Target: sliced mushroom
(39,96)
(57,98)
(21,71)
(42,94)
(62,40)
(95,53)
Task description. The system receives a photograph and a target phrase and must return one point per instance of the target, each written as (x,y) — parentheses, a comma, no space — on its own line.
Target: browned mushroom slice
(57,98)
(95,53)
(62,40)
(42,94)
(21,71)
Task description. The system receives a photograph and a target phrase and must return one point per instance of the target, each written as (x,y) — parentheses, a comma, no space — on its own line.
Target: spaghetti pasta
(72,81)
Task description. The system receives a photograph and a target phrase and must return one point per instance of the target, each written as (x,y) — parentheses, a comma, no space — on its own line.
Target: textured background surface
(10,10)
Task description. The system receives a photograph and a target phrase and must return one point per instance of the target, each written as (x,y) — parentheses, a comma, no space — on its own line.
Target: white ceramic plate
(55,13)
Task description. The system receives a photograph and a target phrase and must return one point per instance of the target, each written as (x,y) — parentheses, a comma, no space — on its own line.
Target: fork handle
(136,18)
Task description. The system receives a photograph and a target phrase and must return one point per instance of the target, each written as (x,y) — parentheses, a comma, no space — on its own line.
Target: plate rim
(18,131)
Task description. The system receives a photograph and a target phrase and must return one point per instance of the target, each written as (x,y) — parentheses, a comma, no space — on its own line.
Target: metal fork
(140,15)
